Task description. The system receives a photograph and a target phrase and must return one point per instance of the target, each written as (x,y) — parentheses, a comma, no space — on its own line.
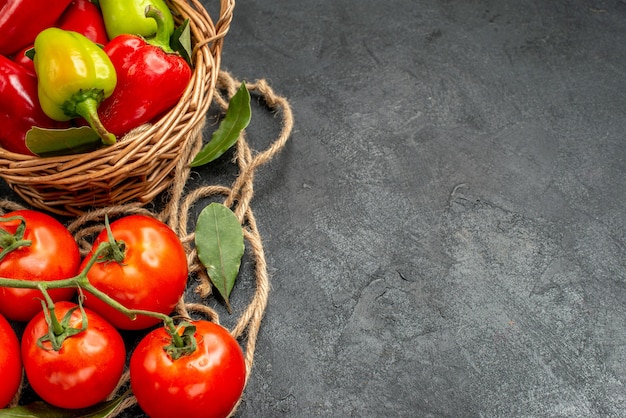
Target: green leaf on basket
(236,120)
(49,142)
(220,245)
(40,409)
(180,41)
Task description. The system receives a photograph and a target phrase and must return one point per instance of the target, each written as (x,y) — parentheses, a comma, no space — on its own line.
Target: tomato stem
(48,306)
(177,340)
(81,282)
(10,242)
(29,284)
(101,253)
(181,345)
(131,313)
(58,331)
(117,247)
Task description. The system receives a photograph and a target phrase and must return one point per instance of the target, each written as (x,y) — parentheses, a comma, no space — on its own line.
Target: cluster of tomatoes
(205,381)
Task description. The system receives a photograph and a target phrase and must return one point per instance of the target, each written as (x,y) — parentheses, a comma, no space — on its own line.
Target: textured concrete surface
(445,229)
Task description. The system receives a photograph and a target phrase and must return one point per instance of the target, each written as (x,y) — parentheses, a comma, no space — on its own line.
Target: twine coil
(237,196)
(142,163)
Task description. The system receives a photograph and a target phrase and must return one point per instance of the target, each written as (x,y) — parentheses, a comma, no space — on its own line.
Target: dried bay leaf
(220,244)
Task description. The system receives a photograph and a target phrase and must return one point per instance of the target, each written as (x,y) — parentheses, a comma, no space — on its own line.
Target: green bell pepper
(129,17)
(74,76)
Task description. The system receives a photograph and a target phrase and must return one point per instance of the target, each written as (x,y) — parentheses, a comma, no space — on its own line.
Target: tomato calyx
(58,331)
(116,249)
(114,252)
(182,344)
(10,242)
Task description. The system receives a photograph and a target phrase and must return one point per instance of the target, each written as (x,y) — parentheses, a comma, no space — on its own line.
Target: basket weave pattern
(141,164)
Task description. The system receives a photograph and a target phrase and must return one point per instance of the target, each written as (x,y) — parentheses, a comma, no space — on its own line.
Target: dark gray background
(445,228)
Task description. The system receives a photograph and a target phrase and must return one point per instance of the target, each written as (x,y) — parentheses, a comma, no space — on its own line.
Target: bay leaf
(220,244)
(225,136)
(180,41)
(50,142)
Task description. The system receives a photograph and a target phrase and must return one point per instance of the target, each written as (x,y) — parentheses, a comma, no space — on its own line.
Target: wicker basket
(141,164)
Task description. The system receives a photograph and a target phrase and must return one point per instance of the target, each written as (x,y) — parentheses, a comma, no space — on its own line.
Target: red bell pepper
(84,17)
(81,16)
(22,20)
(19,107)
(25,61)
(150,80)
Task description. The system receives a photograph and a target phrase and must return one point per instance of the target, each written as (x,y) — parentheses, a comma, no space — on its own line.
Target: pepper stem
(88,109)
(162,37)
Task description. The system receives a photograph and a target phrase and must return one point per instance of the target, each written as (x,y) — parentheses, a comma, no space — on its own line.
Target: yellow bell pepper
(74,76)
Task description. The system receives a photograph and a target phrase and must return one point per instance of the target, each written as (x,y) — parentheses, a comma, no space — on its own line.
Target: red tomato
(53,255)
(152,276)
(206,383)
(10,363)
(87,367)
